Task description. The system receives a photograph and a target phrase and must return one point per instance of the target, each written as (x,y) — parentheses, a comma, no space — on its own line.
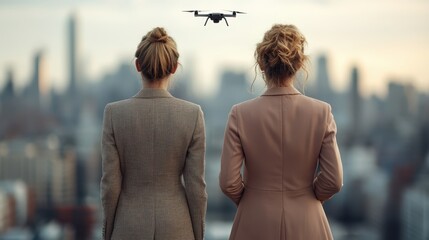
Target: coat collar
(153,93)
(289,90)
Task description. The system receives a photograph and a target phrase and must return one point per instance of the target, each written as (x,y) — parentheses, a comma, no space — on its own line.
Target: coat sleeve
(230,179)
(329,179)
(111,180)
(193,176)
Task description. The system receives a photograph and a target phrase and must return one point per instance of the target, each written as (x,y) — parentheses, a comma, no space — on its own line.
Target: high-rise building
(415,209)
(7,210)
(355,102)
(72,55)
(8,90)
(33,87)
(42,167)
(18,191)
(71,105)
(323,82)
(37,89)
(402,100)
(8,93)
(38,79)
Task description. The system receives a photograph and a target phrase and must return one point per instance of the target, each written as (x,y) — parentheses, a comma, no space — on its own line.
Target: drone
(216,17)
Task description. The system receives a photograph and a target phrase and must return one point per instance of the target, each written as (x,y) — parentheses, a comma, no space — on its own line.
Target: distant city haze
(61,63)
(387,40)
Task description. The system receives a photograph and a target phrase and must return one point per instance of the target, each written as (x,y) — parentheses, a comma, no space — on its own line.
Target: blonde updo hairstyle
(157,55)
(281,54)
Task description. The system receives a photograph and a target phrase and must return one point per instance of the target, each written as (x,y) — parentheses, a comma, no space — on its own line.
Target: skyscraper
(38,80)
(355,102)
(323,85)
(71,108)
(72,55)
(8,91)
(396,99)
(42,81)
(415,210)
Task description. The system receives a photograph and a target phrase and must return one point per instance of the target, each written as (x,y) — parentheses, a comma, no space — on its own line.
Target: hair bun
(158,35)
(281,53)
(157,61)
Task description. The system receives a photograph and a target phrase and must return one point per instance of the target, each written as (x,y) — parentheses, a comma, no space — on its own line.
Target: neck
(284,82)
(160,84)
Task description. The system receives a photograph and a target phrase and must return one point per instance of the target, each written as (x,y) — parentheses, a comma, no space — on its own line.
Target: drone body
(216,17)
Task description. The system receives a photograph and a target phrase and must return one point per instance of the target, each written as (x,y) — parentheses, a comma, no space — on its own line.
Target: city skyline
(382,141)
(391,47)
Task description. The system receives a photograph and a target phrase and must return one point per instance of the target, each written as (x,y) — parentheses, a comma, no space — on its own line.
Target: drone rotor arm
(229,15)
(201,15)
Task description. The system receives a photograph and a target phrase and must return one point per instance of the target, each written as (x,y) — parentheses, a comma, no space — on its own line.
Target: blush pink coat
(281,138)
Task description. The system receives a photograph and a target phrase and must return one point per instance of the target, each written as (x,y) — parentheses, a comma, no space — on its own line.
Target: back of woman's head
(157,55)
(281,54)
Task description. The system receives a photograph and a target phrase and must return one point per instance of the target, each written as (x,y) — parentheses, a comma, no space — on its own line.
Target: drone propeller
(239,12)
(197,13)
(191,11)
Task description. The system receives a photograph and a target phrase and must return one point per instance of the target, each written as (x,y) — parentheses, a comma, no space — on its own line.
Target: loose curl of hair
(281,54)
(157,55)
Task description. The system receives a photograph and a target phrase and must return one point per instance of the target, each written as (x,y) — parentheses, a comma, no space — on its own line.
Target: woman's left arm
(230,179)
(193,175)
(329,179)
(111,179)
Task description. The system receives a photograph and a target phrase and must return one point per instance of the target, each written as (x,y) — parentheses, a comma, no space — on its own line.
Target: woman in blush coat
(287,143)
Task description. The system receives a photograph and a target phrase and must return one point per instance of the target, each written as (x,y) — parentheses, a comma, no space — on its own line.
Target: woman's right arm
(230,179)
(329,180)
(111,179)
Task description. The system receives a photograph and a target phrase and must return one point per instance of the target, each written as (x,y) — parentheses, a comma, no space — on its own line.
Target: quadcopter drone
(216,17)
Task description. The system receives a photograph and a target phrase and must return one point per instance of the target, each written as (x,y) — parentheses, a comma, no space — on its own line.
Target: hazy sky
(385,39)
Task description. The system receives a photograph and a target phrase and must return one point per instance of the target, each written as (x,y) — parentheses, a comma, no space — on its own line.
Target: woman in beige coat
(282,138)
(149,143)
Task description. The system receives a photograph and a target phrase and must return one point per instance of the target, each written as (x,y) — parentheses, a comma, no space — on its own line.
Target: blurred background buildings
(50,164)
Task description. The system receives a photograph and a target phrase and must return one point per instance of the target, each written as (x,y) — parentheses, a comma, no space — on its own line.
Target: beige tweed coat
(281,137)
(152,185)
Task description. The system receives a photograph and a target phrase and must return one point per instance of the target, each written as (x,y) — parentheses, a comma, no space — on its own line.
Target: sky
(386,39)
